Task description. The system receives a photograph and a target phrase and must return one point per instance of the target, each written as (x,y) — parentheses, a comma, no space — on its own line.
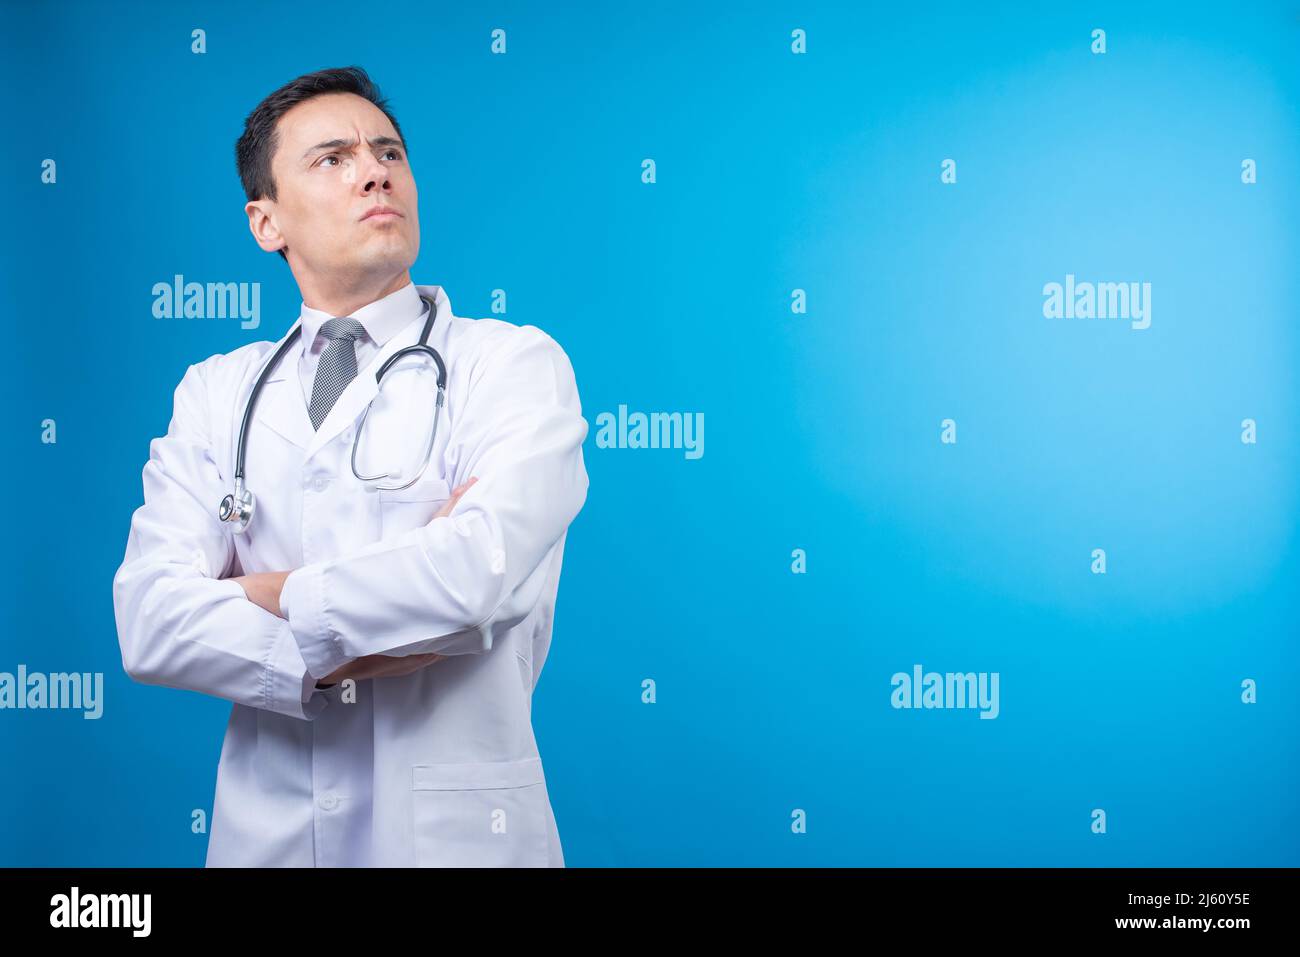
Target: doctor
(380,647)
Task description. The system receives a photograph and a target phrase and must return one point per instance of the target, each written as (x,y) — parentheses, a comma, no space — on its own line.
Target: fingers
(456,493)
(406,667)
(423,659)
(391,666)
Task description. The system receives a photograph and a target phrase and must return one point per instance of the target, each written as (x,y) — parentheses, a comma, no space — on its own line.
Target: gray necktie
(338,366)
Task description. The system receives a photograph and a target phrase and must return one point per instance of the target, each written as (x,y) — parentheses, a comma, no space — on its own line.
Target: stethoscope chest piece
(237,507)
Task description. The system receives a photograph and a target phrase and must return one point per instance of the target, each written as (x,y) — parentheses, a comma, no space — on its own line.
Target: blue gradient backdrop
(775,172)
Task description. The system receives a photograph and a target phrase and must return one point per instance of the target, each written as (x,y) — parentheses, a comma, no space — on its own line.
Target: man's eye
(394,153)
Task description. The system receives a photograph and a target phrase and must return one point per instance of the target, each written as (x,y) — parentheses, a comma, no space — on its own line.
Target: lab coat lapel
(281,407)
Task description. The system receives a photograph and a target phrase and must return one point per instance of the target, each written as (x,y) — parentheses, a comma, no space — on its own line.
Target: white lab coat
(436,768)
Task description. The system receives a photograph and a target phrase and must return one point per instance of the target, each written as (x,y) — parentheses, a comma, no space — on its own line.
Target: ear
(261,223)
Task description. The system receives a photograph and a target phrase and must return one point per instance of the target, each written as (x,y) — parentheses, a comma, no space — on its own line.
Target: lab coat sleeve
(454,584)
(178,625)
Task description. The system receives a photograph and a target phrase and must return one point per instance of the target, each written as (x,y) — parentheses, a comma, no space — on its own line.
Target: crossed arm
(264,588)
(447,587)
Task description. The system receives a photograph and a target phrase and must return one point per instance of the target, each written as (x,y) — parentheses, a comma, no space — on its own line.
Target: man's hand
(456,493)
(379,666)
(263,588)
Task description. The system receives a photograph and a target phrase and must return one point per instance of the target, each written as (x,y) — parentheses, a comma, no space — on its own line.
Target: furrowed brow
(351,144)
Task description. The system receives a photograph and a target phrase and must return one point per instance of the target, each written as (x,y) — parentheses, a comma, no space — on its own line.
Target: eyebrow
(339,144)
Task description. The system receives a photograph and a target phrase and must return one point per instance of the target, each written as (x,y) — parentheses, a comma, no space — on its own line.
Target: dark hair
(257,144)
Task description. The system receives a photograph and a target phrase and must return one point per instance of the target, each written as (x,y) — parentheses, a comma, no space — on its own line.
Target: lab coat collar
(282,407)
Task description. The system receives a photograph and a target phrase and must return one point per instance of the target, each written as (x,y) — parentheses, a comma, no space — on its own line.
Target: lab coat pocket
(488,814)
(408,508)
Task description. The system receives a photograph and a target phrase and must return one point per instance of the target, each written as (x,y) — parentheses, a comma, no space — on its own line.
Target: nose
(373,174)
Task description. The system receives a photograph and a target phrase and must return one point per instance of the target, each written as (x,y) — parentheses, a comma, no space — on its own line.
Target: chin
(395,255)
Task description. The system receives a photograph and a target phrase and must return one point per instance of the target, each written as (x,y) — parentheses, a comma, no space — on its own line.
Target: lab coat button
(329,802)
(321,483)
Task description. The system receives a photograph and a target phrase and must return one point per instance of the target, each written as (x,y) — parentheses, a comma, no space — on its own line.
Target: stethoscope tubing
(232,503)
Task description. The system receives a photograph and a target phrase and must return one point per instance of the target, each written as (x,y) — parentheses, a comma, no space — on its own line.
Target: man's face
(338,157)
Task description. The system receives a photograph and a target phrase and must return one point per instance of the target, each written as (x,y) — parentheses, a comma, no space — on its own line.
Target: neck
(342,298)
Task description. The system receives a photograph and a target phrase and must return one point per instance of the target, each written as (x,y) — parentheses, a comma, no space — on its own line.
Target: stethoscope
(237,507)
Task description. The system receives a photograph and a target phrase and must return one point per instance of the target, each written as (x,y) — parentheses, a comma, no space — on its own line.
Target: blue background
(775,172)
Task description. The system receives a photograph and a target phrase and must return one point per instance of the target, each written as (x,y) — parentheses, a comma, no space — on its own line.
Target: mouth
(382,212)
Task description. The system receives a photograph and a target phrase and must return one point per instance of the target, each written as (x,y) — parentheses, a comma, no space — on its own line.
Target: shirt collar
(382,318)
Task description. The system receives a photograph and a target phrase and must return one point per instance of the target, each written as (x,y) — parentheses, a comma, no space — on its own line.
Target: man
(379,642)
